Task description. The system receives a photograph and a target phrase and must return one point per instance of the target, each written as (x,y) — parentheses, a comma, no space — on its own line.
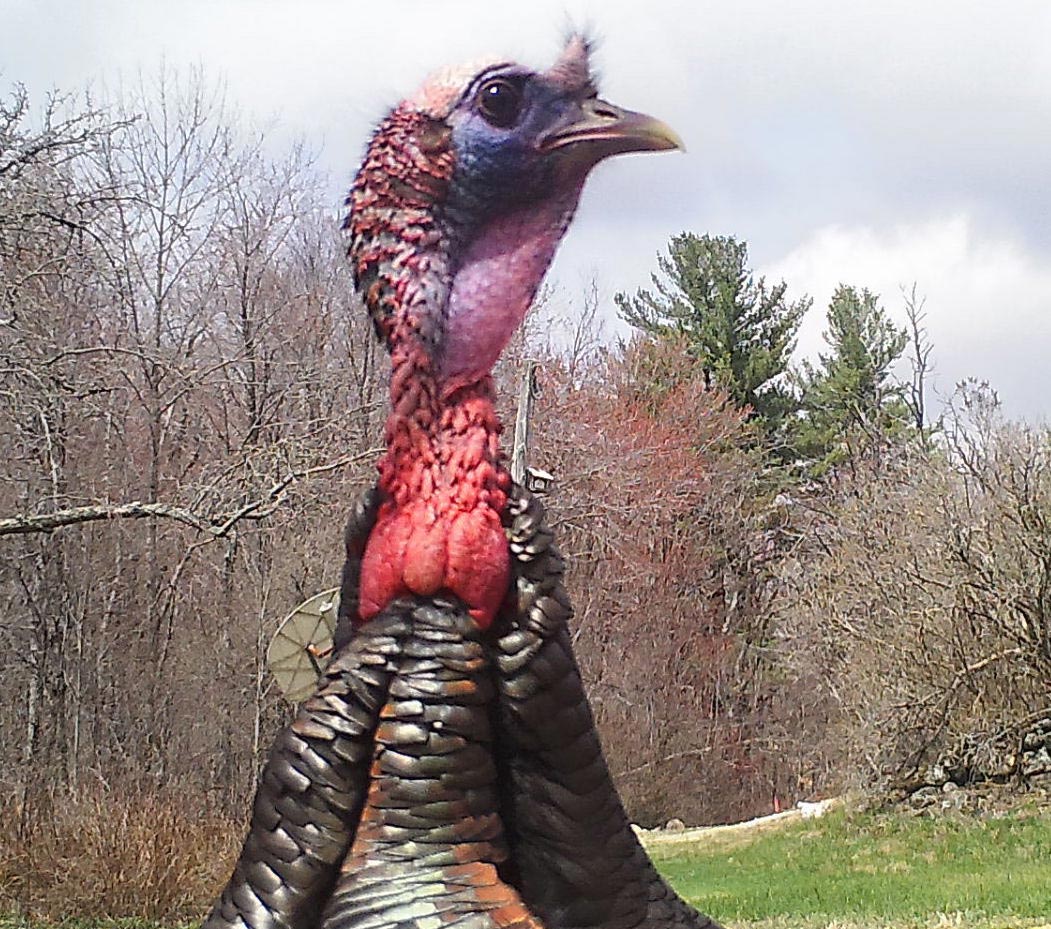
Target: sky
(878,145)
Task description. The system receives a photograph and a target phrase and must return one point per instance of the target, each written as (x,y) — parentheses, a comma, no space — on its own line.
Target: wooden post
(520,445)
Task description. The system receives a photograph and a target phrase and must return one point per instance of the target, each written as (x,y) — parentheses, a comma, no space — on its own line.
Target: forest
(789,578)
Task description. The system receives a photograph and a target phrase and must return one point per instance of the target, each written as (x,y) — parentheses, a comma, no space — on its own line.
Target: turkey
(447,770)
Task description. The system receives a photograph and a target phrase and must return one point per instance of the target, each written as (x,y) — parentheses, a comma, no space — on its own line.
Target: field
(848,870)
(865,870)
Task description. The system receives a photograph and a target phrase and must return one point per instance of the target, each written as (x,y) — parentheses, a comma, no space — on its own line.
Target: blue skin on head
(500,169)
(511,198)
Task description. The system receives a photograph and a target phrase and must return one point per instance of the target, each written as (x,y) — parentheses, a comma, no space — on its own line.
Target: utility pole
(520,445)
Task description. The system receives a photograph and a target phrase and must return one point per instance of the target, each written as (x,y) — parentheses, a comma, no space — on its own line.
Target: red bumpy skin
(440,527)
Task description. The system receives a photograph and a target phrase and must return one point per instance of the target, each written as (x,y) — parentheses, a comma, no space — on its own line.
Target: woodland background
(788,580)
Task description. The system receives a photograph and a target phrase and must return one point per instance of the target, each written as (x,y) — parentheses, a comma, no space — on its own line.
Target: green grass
(872,870)
(847,870)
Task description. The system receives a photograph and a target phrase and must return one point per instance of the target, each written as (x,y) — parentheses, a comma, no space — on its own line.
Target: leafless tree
(918,598)
(920,349)
(174,460)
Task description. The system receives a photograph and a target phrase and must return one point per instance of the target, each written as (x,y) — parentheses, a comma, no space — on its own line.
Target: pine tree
(740,331)
(849,402)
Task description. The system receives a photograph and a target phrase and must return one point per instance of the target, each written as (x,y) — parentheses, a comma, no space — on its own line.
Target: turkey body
(378,806)
(576,860)
(430,837)
(445,773)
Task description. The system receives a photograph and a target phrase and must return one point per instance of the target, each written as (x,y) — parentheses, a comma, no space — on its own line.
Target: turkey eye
(500,102)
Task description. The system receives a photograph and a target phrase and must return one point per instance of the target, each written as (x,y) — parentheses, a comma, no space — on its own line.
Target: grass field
(844,871)
(866,870)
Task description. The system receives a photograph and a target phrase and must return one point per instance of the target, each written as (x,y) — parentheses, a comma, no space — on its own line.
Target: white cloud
(988,298)
(841,126)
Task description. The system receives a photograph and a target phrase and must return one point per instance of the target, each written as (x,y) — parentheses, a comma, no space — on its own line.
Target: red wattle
(418,549)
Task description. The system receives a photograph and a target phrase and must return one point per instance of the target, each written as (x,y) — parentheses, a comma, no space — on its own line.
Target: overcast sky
(873,144)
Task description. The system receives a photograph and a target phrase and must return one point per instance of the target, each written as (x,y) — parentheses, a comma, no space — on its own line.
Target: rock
(954,799)
(923,798)
(813,810)
(937,775)
(675,825)
(1038,762)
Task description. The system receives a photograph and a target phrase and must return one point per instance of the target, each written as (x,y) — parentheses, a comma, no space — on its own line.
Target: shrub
(112,854)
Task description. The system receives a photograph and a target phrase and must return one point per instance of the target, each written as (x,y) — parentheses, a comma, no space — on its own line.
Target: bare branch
(215,526)
(59,519)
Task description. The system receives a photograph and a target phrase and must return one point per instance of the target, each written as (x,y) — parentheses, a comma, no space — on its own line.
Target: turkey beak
(605,129)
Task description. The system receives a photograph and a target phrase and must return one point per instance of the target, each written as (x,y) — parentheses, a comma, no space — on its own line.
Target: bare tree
(920,349)
(918,598)
(187,392)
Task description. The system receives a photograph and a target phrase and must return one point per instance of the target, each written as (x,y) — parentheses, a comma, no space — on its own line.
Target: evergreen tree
(740,331)
(849,402)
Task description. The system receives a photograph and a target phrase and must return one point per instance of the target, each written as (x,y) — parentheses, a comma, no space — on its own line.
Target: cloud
(825,134)
(988,297)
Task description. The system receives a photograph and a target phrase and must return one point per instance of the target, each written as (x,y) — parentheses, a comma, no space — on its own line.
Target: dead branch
(214,526)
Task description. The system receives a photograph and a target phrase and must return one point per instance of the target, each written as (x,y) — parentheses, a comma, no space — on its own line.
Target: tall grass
(110,854)
(137,860)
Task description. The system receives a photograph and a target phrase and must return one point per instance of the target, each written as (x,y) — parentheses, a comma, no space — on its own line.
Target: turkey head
(464,195)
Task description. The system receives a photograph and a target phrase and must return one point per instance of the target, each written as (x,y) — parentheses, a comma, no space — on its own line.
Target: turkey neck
(447,276)
(439,528)
(442,448)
